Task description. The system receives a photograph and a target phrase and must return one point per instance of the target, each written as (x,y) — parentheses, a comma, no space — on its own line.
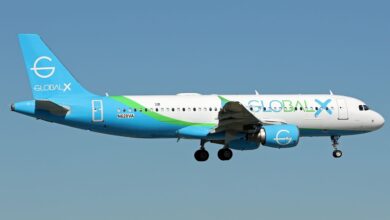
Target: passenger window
(184,109)
(173,109)
(210,109)
(215,109)
(156,109)
(194,109)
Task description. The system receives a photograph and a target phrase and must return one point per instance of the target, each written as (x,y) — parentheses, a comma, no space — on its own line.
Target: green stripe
(133,104)
(223,100)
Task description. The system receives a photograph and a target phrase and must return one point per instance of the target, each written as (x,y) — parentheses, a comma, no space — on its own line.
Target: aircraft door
(97,111)
(342,109)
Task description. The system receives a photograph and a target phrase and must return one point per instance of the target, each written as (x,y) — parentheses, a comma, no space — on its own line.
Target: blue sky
(49,171)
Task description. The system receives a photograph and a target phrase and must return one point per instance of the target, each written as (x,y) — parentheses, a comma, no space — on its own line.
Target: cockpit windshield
(363,108)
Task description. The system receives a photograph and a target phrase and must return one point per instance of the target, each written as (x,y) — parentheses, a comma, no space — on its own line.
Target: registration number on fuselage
(125,115)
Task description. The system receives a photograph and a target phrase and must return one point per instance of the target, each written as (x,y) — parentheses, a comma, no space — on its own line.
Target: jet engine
(278,136)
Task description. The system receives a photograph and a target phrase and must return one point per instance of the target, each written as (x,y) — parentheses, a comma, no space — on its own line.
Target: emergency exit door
(97,111)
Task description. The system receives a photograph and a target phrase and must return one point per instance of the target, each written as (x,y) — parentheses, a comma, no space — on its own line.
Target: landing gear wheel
(225,154)
(201,155)
(335,142)
(337,153)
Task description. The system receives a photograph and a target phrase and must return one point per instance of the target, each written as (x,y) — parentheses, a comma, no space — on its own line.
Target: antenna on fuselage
(330,92)
(256,92)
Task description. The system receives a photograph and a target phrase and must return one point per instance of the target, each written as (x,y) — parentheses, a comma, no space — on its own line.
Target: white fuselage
(340,113)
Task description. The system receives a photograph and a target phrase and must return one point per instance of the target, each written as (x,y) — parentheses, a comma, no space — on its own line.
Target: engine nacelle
(278,136)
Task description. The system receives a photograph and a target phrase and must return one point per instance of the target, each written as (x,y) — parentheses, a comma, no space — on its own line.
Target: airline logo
(323,106)
(283,137)
(291,106)
(43,69)
(43,72)
(53,87)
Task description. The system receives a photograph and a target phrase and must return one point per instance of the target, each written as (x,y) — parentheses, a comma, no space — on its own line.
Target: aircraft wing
(235,117)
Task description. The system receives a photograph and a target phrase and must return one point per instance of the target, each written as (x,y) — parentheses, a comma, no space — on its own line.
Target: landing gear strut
(202,154)
(225,153)
(335,142)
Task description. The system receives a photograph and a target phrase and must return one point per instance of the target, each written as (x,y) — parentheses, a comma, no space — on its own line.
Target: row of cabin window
(169,109)
(211,109)
(296,108)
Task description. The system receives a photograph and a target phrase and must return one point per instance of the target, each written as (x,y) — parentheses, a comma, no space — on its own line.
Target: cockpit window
(363,108)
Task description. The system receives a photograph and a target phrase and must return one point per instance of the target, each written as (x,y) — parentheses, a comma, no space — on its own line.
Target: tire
(225,154)
(201,155)
(337,153)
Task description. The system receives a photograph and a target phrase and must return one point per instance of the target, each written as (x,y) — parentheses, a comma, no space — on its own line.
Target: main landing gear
(335,142)
(225,153)
(202,154)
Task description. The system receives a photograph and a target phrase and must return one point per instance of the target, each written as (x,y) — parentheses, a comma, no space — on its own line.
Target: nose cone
(378,121)
(381,121)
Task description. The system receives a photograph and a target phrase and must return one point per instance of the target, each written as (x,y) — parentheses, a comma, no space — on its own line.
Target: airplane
(237,122)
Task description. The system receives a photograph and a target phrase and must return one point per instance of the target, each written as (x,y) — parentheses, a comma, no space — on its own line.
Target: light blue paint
(281,136)
(48,77)
(194,132)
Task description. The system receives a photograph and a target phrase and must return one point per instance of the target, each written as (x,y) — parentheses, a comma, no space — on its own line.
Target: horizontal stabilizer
(51,107)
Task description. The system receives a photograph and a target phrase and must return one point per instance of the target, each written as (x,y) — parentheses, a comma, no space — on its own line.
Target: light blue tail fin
(48,77)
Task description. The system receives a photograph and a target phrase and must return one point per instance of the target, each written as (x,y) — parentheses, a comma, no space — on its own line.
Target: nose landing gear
(335,142)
